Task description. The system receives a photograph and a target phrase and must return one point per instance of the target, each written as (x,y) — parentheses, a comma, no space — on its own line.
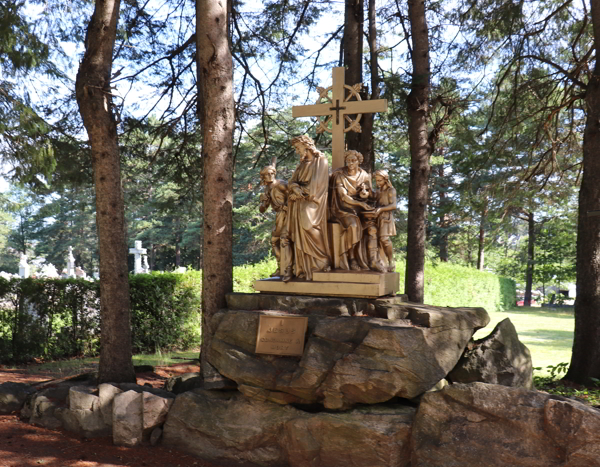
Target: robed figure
(307,212)
(346,208)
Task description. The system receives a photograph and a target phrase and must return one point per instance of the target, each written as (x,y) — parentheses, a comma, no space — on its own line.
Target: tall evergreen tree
(216,90)
(94,96)
(585,359)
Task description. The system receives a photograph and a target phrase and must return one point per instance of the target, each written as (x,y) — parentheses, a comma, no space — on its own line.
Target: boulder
(155,412)
(499,358)
(493,425)
(84,413)
(347,360)
(135,415)
(182,383)
(127,418)
(228,428)
(140,389)
(374,436)
(106,394)
(13,396)
(47,407)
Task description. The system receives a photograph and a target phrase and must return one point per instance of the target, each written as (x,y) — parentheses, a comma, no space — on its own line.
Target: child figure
(275,196)
(386,205)
(370,227)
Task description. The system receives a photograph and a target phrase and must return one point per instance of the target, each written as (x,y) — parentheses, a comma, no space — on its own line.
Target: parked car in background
(521,302)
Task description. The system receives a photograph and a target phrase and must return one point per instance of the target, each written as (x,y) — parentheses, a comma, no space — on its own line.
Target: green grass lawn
(547,332)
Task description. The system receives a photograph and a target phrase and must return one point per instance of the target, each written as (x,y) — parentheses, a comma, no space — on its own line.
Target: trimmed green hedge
(446,284)
(165,311)
(59,318)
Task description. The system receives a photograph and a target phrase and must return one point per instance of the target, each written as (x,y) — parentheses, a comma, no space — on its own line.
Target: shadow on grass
(553,337)
(566,313)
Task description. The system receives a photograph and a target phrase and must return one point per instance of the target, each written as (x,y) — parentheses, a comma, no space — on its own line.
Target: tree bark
(420,152)
(530,258)
(585,359)
(481,243)
(367,149)
(216,89)
(353,51)
(95,105)
(444,218)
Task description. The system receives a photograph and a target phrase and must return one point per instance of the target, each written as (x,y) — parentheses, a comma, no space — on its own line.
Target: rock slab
(228,427)
(347,360)
(13,396)
(499,358)
(492,425)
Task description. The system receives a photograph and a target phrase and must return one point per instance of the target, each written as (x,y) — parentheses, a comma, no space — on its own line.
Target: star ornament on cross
(341,106)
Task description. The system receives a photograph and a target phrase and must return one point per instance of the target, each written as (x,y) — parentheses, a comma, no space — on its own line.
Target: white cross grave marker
(138,251)
(23,267)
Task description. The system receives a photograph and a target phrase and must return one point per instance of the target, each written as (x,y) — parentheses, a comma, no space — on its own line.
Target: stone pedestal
(337,283)
(348,359)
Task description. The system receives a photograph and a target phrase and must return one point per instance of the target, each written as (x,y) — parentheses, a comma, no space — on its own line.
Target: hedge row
(446,284)
(59,318)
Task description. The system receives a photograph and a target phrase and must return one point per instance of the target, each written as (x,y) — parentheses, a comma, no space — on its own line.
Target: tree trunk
(216,90)
(353,51)
(444,218)
(530,258)
(95,105)
(585,359)
(420,151)
(177,244)
(481,243)
(367,148)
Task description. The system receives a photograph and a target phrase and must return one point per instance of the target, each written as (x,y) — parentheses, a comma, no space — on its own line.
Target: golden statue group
(311,198)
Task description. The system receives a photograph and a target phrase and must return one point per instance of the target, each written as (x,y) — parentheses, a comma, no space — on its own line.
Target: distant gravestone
(145,266)
(23,267)
(49,271)
(71,263)
(138,251)
(80,273)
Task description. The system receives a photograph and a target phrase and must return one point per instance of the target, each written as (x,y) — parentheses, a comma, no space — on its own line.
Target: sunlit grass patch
(547,333)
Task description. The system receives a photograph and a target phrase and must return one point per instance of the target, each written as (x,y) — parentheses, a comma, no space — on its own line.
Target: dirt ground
(24,445)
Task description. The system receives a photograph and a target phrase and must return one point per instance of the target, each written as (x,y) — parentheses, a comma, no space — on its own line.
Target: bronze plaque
(281,335)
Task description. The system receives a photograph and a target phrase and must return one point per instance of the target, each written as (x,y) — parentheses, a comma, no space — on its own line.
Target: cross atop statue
(334,104)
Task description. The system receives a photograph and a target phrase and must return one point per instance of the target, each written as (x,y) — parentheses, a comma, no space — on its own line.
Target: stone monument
(24,268)
(71,263)
(332,237)
(145,265)
(138,251)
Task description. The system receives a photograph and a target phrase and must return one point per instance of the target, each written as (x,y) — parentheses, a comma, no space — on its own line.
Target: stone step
(347,285)
(359,277)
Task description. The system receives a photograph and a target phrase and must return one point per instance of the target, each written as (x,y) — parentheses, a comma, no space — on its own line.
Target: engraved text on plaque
(281,335)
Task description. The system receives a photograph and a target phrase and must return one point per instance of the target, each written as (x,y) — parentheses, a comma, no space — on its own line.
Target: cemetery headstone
(138,251)
(23,267)
(71,263)
(145,266)
(49,271)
